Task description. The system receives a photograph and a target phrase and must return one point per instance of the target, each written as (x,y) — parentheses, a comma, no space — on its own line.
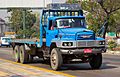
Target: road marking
(3,74)
(39,68)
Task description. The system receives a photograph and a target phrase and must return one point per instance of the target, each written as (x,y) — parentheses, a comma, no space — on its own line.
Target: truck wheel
(24,57)
(96,61)
(16,53)
(56,59)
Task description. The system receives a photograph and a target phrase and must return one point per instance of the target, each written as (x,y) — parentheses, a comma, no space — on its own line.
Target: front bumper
(81,51)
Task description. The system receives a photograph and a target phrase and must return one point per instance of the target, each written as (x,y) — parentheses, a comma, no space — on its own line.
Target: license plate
(87,50)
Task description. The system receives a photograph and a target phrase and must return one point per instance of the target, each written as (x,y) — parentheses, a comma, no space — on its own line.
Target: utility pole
(44,3)
(23,12)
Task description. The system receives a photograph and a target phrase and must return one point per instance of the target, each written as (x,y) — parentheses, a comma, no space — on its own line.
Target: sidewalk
(12,69)
(113,52)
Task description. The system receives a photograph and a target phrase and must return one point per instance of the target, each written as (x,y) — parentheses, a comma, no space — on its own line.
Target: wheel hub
(54,58)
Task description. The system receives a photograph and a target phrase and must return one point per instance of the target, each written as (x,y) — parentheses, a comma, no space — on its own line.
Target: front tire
(56,59)
(96,61)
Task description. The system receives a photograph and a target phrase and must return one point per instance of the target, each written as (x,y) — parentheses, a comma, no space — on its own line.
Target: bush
(112,45)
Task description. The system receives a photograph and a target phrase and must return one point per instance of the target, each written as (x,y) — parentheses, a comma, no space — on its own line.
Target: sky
(23,3)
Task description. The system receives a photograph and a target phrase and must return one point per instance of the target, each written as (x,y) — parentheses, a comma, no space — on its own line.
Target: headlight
(102,43)
(67,44)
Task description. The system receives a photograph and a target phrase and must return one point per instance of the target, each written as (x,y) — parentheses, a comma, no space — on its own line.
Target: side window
(55,24)
(52,25)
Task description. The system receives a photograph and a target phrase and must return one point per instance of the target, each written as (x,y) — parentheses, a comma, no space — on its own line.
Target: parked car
(0,43)
(4,41)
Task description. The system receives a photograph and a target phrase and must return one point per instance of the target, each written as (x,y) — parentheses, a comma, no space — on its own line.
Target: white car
(4,41)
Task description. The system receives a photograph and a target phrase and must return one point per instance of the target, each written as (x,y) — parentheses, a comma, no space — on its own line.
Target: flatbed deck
(27,41)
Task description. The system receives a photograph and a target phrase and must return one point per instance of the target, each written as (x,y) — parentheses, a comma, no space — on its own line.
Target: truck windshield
(71,23)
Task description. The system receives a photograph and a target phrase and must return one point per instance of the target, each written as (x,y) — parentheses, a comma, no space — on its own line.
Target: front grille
(90,43)
(80,37)
(86,43)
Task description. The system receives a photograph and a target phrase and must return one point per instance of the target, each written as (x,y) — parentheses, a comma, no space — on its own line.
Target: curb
(113,52)
(57,73)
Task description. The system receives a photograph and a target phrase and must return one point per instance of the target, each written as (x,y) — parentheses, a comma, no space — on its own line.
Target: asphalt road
(110,66)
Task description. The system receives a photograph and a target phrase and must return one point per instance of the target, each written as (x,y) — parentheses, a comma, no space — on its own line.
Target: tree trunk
(106,26)
(117,35)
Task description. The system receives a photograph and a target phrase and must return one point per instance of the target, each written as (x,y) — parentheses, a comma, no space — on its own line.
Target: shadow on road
(107,65)
(81,66)
(86,66)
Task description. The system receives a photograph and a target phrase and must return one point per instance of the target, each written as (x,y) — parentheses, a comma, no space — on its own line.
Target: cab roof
(65,17)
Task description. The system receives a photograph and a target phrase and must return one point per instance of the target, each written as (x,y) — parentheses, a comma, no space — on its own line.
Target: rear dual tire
(16,53)
(21,55)
(24,57)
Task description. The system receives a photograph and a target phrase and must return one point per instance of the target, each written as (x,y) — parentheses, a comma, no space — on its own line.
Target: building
(3,27)
(27,3)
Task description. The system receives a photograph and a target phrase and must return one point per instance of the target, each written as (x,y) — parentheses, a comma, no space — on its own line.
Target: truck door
(51,33)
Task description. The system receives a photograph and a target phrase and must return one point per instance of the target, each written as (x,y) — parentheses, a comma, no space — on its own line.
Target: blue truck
(64,39)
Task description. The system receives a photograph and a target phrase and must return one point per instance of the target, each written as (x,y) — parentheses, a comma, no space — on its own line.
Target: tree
(101,10)
(109,7)
(115,19)
(16,20)
(36,26)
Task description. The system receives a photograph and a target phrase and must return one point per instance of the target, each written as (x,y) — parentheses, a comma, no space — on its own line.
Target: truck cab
(71,32)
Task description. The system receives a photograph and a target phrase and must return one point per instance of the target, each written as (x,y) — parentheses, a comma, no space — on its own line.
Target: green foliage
(115,22)
(27,33)
(101,10)
(95,17)
(72,1)
(16,20)
(36,27)
(94,22)
(112,44)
